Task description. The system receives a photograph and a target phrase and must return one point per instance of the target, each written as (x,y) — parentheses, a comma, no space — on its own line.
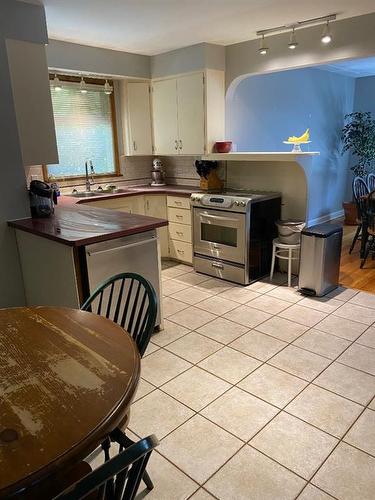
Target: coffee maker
(43,199)
(157,173)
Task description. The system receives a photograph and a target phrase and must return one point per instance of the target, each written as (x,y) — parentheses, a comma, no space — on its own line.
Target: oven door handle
(217,217)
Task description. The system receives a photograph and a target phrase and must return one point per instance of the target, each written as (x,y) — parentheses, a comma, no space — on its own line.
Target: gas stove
(231,199)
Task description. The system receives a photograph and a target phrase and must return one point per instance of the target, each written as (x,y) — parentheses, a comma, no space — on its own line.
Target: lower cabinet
(175,239)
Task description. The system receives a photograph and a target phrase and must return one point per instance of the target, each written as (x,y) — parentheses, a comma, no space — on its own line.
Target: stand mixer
(157,173)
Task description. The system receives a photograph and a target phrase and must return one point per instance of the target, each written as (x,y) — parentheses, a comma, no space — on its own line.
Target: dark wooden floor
(350,273)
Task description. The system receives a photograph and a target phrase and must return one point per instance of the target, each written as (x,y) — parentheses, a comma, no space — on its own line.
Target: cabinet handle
(180,233)
(179,216)
(134,146)
(177,202)
(181,251)
(176,144)
(148,205)
(180,144)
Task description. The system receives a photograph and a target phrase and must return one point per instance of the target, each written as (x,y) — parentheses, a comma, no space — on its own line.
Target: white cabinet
(179,217)
(136,113)
(129,204)
(188,113)
(32,101)
(156,206)
(164,109)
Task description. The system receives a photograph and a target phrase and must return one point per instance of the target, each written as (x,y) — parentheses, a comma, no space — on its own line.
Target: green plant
(358,136)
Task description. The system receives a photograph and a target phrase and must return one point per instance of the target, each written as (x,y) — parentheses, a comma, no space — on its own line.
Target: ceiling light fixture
(108,88)
(82,86)
(56,84)
(326,35)
(293,40)
(263,50)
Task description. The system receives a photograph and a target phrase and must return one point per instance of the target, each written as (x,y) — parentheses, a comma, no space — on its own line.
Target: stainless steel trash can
(320,259)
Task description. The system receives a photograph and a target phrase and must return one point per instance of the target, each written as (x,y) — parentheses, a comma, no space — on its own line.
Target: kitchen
(224,327)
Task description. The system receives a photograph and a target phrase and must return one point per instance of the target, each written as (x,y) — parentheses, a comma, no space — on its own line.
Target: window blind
(84,130)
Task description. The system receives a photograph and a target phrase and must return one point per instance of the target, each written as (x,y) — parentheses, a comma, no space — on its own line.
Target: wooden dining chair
(129,300)
(360,192)
(370,227)
(370,181)
(116,479)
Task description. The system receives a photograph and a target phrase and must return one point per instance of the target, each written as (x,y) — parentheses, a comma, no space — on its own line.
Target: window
(85,129)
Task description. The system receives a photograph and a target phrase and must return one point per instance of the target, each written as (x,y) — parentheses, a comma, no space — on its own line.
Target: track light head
(263,50)
(293,40)
(326,35)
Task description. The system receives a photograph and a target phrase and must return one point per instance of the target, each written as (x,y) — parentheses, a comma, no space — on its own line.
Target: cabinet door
(139,118)
(164,108)
(190,108)
(32,101)
(156,206)
(129,204)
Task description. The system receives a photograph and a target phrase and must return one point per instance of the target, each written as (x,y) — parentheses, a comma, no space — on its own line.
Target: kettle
(43,198)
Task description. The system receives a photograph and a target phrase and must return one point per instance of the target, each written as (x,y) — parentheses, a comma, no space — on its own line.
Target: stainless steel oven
(233,232)
(219,234)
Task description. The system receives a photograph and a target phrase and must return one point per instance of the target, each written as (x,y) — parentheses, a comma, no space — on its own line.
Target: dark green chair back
(129,300)
(117,479)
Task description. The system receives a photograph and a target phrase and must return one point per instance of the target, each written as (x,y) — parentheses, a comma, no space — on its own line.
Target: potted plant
(358,136)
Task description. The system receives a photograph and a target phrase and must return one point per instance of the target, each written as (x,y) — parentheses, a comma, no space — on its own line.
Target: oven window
(219,234)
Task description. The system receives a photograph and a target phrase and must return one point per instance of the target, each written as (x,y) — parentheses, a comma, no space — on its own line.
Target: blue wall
(265,109)
(364,97)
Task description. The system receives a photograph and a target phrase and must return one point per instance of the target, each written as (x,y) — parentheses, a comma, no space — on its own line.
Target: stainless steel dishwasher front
(137,253)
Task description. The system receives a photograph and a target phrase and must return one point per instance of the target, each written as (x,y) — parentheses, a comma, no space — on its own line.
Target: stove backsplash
(181,170)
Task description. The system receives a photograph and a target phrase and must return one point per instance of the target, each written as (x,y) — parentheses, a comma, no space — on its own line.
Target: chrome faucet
(88,164)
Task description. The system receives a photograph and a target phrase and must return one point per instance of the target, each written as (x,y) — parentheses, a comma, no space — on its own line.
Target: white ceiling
(156,26)
(356,68)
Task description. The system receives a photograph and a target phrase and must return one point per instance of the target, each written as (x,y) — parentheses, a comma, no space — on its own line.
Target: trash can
(320,259)
(290,231)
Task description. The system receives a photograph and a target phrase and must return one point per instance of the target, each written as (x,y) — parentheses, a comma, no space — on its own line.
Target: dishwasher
(137,253)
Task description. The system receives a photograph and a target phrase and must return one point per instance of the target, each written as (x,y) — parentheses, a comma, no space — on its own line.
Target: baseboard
(326,218)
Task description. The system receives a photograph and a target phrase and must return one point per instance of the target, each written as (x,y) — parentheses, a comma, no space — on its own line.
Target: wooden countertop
(77,225)
(132,191)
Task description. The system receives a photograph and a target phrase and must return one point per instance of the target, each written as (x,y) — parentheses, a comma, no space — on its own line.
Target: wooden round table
(67,378)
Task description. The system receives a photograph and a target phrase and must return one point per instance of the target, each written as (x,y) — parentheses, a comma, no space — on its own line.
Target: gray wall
(75,57)
(266,109)
(26,22)
(353,37)
(193,58)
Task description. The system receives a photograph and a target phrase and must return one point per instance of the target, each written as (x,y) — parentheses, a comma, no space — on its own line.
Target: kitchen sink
(88,194)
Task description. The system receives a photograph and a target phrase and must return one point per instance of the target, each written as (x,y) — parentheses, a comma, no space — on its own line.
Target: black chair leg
(367,251)
(356,236)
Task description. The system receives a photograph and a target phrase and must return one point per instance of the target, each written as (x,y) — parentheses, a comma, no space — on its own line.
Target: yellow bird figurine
(303,138)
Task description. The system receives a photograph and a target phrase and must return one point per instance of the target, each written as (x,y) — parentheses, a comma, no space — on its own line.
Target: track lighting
(293,40)
(56,84)
(107,88)
(82,86)
(326,35)
(263,50)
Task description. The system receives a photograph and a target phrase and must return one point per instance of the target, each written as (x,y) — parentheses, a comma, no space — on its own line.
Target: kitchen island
(64,257)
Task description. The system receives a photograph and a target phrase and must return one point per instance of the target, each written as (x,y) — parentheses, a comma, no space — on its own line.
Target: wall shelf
(260,156)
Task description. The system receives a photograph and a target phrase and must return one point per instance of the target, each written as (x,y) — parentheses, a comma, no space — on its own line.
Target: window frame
(116,155)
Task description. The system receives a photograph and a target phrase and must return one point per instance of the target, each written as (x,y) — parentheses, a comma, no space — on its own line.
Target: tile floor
(258,393)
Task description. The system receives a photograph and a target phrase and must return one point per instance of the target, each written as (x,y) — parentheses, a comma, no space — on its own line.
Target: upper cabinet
(188,113)
(186,116)
(135,97)
(32,102)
